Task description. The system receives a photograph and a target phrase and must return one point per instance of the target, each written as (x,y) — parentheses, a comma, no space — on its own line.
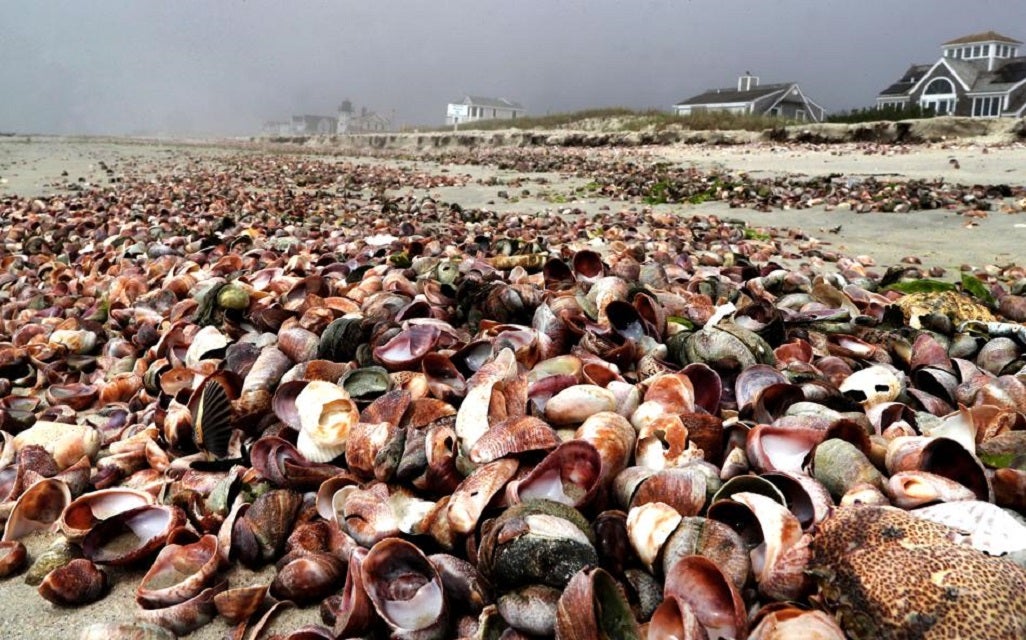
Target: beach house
(980,75)
(749,97)
(308,125)
(364,121)
(474,108)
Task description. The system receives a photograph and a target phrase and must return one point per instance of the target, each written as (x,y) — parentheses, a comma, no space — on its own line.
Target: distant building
(980,75)
(277,128)
(784,99)
(313,125)
(363,122)
(474,108)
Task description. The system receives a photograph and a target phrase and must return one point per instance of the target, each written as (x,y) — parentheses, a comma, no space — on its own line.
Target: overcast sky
(226,66)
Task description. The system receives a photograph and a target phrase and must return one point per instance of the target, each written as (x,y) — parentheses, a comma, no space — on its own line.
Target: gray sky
(226,66)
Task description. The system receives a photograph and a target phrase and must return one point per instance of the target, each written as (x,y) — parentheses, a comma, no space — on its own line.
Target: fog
(224,67)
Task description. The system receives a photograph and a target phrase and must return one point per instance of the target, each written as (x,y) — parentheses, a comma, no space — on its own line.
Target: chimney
(747,82)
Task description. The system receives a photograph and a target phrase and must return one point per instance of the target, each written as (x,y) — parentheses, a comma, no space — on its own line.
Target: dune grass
(623,119)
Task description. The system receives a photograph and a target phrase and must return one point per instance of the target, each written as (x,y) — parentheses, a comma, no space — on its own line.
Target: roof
(1008,74)
(731,95)
(986,36)
(495,103)
(907,80)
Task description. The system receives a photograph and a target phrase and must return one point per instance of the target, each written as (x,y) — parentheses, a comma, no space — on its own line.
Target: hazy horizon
(224,68)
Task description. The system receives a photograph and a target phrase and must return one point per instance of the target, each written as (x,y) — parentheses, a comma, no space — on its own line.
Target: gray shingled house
(782,99)
(979,75)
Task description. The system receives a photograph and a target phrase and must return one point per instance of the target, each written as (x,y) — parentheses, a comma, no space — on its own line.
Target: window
(987,107)
(940,96)
(800,115)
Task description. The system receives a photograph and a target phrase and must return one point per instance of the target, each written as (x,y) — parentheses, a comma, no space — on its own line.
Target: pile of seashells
(505,434)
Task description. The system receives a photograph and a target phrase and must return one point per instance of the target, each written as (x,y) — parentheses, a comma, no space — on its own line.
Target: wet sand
(939,238)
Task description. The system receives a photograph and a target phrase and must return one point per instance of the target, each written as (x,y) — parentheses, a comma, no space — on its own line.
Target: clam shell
(179,573)
(37,508)
(131,536)
(83,513)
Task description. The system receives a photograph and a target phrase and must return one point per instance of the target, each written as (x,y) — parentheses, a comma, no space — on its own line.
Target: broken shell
(37,509)
(179,573)
(131,536)
(89,509)
(593,605)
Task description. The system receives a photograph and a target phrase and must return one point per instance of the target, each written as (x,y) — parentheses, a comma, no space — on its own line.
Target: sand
(940,238)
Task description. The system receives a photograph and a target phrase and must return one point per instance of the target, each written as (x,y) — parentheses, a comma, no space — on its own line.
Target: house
(313,125)
(364,122)
(783,99)
(474,108)
(979,75)
(277,128)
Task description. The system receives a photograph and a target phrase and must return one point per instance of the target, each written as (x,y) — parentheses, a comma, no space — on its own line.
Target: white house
(783,99)
(980,76)
(474,108)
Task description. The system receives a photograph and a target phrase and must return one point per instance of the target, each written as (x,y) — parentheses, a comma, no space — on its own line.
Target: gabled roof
(966,71)
(907,80)
(731,95)
(494,103)
(986,36)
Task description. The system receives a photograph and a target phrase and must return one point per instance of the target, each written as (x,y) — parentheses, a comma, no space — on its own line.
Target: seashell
(587,266)
(406,349)
(356,612)
(711,539)
(840,466)
(299,344)
(472,418)
(683,488)
(530,609)
(207,341)
(239,604)
(125,631)
(405,589)
(308,578)
(67,443)
(793,622)
(131,536)
(59,553)
(179,572)
(83,513)
(805,496)
(698,584)
(76,583)
(472,495)
(13,558)
(910,489)
(781,448)
(997,354)
(211,410)
(340,339)
(942,456)
(513,436)
(648,527)
(185,617)
(575,404)
(613,438)
(462,582)
(77,396)
(365,383)
(569,474)
(779,561)
(985,526)
(593,605)
(326,415)
(871,386)
(536,542)
(76,341)
(37,508)
(854,542)
(233,295)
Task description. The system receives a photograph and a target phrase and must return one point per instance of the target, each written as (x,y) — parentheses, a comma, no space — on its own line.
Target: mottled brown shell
(892,575)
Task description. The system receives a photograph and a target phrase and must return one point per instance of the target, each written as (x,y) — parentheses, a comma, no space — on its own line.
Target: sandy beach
(948,239)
